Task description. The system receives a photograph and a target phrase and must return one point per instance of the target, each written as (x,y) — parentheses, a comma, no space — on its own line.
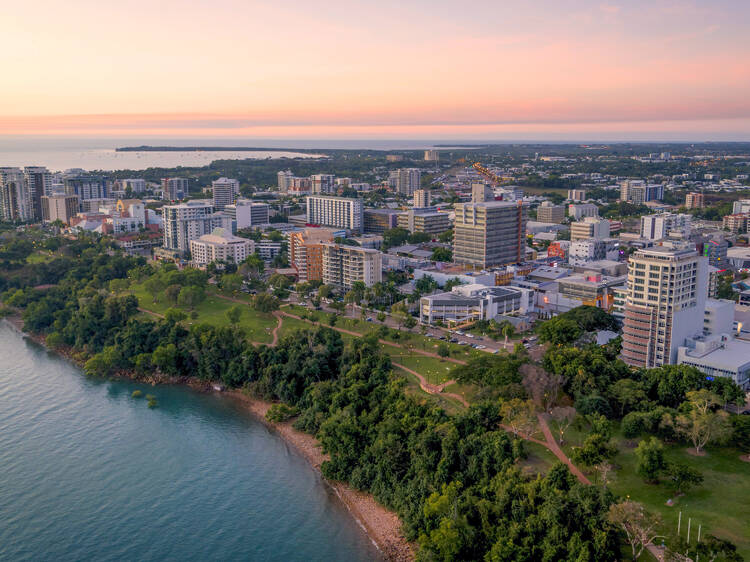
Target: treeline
(453,480)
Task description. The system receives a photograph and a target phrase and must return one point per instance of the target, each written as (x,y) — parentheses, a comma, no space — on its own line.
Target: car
(368,319)
(481,347)
(533,338)
(527,346)
(471,336)
(454,340)
(459,333)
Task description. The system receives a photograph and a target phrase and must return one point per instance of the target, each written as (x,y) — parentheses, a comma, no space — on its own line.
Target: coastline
(382,526)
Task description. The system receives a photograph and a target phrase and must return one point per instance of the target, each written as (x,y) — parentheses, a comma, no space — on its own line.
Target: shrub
(136,394)
(281,412)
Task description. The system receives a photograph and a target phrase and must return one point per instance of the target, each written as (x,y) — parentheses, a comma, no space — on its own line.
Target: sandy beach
(383,526)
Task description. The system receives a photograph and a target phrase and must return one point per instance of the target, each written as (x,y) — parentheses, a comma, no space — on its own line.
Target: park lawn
(539,459)
(469,392)
(450,405)
(720,504)
(432,368)
(213,310)
(289,325)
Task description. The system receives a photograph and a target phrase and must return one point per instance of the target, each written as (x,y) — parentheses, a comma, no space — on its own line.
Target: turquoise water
(89,473)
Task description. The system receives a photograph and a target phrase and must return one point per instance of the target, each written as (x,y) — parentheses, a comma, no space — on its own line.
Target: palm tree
(507,330)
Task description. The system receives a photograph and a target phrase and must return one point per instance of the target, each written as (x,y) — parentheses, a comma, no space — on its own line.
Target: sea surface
(62,153)
(89,473)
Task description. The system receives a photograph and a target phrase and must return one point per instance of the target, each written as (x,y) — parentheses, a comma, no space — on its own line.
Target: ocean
(89,473)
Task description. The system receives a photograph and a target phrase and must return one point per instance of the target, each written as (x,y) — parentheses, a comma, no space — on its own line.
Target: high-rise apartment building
(323,183)
(549,213)
(741,206)
(421,198)
(490,233)
(695,200)
(658,227)
(86,187)
(405,180)
(589,228)
(284,180)
(191,220)
(16,204)
(431,155)
(339,212)
(59,207)
(306,252)
(639,192)
(224,192)
(715,250)
(136,185)
(175,188)
(345,265)
(736,222)
(664,304)
(39,183)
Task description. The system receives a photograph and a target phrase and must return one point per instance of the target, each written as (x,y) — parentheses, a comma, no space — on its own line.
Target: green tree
(650,454)
(442,254)
(681,477)
(234,314)
(191,296)
(628,393)
(153,286)
(443,350)
(172,293)
(231,282)
(263,302)
(174,315)
(559,331)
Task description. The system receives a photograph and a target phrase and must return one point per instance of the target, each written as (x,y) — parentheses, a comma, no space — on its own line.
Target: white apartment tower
(15,197)
(658,227)
(338,212)
(664,303)
(224,192)
(189,221)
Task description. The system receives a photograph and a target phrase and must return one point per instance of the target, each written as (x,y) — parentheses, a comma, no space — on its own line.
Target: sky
(480,69)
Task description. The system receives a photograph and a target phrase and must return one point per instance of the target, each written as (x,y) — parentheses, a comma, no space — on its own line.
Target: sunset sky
(349,69)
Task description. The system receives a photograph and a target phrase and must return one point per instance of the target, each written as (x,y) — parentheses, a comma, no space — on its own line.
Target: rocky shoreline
(381,525)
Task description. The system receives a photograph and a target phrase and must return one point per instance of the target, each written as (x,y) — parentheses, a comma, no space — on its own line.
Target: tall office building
(323,183)
(658,227)
(589,228)
(188,221)
(481,192)
(224,192)
(86,187)
(549,213)
(175,188)
(715,250)
(488,234)
(664,303)
(431,155)
(344,265)
(15,197)
(246,214)
(425,220)
(421,198)
(39,183)
(339,212)
(405,180)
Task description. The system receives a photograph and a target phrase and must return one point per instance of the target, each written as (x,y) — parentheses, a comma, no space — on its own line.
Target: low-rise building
(736,222)
(469,303)
(589,228)
(547,212)
(220,245)
(427,221)
(582,210)
(718,355)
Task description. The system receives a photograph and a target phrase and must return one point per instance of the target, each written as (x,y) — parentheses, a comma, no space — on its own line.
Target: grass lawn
(539,459)
(40,257)
(450,405)
(434,370)
(720,504)
(213,310)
